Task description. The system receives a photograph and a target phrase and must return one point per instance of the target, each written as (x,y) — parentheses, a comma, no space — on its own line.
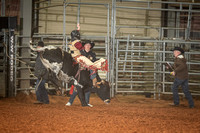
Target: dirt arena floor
(125,114)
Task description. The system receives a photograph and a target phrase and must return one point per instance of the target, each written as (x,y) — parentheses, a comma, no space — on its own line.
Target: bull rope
(36,88)
(79,73)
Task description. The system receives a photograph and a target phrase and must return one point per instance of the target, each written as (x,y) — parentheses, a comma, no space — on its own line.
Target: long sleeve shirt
(75,48)
(180,67)
(40,70)
(90,55)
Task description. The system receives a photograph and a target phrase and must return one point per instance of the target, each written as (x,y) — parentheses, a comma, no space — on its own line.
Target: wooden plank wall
(93,18)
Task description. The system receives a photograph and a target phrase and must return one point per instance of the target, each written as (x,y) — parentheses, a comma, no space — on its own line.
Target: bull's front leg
(81,95)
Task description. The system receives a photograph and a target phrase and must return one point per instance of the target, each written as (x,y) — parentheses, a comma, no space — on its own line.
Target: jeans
(75,93)
(93,75)
(41,92)
(185,88)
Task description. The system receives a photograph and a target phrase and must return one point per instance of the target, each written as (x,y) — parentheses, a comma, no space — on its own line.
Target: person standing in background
(181,77)
(42,75)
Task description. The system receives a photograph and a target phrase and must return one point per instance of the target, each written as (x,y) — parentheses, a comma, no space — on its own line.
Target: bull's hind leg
(81,96)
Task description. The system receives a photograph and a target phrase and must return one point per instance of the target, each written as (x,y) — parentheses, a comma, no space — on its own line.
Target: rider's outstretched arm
(78,26)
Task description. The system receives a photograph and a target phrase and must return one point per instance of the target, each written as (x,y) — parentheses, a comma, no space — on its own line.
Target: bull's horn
(34,49)
(37,49)
(43,48)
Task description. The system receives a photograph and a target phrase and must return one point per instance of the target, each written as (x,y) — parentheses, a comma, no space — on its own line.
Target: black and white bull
(62,68)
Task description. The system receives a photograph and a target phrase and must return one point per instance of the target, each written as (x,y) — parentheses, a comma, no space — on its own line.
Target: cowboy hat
(179,49)
(90,42)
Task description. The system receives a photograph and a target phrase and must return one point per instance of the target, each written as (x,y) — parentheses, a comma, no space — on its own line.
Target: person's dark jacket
(180,68)
(90,55)
(40,70)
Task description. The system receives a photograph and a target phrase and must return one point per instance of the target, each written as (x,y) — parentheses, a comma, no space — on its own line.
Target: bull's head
(103,91)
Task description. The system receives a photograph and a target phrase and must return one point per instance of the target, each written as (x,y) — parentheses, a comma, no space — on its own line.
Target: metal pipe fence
(139,69)
(139,60)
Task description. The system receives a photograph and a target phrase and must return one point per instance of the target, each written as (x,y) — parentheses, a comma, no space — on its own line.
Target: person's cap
(41,43)
(90,42)
(179,49)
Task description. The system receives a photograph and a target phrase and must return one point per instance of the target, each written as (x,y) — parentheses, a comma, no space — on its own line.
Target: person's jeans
(87,97)
(75,93)
(185,88)
(41,92)
(93,75)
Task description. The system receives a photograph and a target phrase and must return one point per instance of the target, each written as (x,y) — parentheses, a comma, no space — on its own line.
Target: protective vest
(73,50)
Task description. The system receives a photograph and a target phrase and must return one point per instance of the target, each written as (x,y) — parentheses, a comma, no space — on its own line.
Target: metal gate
(140,66)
